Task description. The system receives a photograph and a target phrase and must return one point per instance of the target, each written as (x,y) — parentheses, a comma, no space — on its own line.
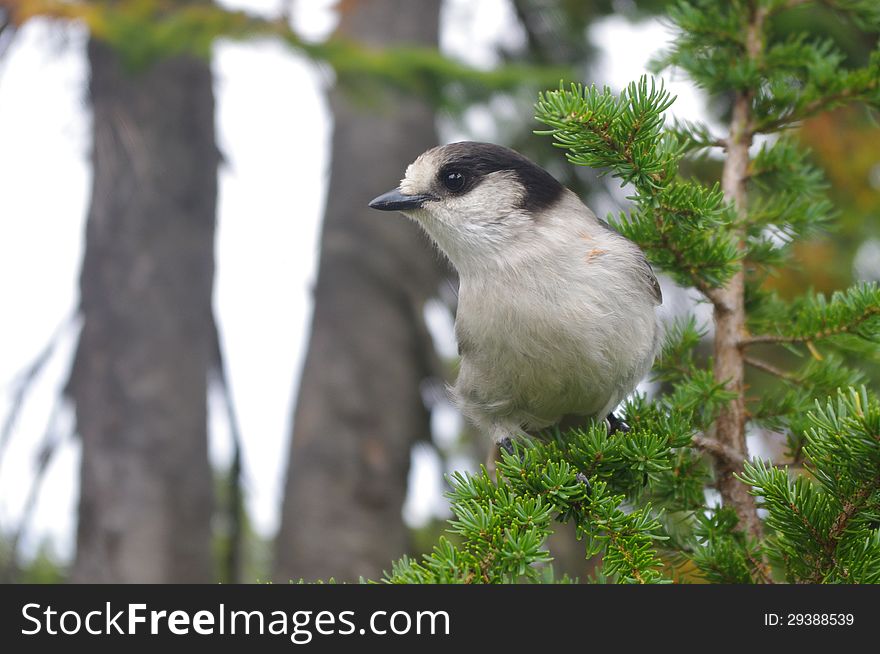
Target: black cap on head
(476,160)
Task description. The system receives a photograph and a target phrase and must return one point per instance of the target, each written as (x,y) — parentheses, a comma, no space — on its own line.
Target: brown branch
(714,142)
(232,562)
(772,339)
(719,450)
(760,567)
(770,369)
(26,380)
(792,4)
(7,31)
(52,439)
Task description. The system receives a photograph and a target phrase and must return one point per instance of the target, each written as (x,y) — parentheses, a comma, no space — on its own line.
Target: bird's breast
(545,352)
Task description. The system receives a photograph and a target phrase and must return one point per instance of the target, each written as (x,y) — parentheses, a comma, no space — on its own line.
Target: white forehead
(422,172)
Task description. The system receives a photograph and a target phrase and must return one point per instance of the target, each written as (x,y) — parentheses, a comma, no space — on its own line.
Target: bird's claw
(582,478)
(506,444)
(616,424)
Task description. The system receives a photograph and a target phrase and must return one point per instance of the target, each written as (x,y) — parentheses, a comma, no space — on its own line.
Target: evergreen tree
(638,498)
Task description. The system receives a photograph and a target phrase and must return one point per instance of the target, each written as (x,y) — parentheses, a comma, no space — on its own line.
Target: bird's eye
(454,181)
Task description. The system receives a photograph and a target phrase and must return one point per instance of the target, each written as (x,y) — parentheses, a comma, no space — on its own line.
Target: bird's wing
(645,267)
(651,280)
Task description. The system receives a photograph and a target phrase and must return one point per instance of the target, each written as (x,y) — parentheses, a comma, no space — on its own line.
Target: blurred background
(216,364)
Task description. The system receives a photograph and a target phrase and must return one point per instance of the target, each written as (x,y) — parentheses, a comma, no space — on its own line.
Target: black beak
(396,201)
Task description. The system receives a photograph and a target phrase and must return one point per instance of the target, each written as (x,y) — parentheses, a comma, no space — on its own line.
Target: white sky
(275,139)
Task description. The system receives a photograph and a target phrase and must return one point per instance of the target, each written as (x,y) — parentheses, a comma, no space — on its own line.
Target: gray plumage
(556,311)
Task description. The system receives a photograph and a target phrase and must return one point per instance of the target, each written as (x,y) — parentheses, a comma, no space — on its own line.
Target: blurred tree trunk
(139,380)
(360,408)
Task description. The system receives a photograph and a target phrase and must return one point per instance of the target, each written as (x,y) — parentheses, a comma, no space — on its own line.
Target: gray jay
(556,310)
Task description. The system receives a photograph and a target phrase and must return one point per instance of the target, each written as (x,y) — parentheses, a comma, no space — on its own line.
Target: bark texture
(139,380)
(360,407)
(729,306)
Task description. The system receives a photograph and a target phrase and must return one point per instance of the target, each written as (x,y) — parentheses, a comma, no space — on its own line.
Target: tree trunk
(360,408)
(729,308)
(140,377)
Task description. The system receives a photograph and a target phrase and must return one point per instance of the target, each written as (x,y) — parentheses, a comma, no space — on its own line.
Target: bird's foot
(616,424)
(507,445)
(582,478)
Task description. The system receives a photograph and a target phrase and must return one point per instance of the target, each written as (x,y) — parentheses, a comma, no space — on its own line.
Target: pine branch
(144,32)
(234,509)
(853,504)
(676,358)
(695,136)
(647,486)
(787,198)
(786,409)
(26,379)
(853,313)
(770,369)
(824,530)
(865,93)
(503,525)
(681,225)
(804,77)
(722,553)
(726,454)
(53,436)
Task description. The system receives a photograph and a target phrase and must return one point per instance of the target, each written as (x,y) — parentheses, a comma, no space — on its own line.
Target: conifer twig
(851,506)
(781,339)
(770,369)
(718,449)
(760,567)
(812,108)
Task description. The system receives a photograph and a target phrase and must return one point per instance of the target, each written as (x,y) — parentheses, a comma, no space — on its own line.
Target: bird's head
(474,199)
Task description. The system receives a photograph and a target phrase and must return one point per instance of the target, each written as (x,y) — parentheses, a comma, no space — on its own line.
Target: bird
(557,311)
